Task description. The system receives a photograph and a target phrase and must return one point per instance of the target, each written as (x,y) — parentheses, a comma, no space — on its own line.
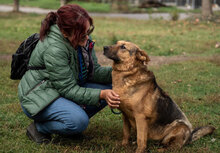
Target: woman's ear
(142,56)
(64,34)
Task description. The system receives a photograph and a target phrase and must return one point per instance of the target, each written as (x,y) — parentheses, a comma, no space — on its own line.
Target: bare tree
(16,6)
(136,2)
(63,2)
(120,5)
(207,8)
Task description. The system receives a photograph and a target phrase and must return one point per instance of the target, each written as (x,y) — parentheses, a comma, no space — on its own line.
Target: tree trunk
(136,2)
(207,8)
(120,5)
(63,2)
(114,5)
(16,6)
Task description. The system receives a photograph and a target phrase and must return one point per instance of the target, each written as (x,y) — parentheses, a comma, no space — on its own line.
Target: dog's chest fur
(139,93)
(129,85)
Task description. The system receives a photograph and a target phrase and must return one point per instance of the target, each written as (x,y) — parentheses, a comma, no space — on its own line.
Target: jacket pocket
(35,87)
(39,97)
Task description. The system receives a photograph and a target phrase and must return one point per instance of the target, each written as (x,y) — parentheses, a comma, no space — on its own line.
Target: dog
(144,105)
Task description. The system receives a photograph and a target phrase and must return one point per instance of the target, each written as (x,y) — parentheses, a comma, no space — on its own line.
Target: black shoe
(36,136)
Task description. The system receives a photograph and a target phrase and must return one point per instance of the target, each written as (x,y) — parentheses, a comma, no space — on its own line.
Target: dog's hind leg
(126,130)
(177,137)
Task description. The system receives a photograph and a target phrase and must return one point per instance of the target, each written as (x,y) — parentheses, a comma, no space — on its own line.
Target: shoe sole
(31,138)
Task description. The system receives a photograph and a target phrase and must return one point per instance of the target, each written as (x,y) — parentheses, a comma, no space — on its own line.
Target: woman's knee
(72,117)
(77,123)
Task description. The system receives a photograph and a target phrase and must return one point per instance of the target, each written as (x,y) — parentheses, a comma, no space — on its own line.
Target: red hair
(71,19)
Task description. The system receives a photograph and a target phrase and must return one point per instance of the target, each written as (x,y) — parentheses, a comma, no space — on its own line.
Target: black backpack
(20,59)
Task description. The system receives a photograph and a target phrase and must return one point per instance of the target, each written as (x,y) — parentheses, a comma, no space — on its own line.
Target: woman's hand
(111,98)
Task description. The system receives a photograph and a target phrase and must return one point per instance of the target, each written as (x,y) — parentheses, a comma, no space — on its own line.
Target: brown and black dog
(145,106)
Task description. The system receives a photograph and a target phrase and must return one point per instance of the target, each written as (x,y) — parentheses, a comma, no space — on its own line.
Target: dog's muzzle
(106,49)
(110,54)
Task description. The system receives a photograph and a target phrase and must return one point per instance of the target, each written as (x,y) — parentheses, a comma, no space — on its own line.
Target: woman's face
(86,34)
(86,37)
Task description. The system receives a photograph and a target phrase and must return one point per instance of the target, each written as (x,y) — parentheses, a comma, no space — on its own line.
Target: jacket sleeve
(101,74)
(61,76)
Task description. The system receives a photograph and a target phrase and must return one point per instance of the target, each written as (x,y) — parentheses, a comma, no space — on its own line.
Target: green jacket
(38,88)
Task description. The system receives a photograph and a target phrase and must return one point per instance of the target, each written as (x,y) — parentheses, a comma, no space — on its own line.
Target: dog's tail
(199,132)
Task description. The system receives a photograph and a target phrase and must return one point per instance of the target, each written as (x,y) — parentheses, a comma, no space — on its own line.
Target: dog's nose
(105,48)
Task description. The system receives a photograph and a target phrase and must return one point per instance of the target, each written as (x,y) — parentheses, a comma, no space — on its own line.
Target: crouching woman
(73,87)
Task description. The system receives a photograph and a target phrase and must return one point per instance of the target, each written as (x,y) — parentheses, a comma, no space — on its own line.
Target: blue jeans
(66,117)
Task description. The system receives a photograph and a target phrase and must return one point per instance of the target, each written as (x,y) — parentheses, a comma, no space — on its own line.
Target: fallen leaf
(217,45)
(213,140)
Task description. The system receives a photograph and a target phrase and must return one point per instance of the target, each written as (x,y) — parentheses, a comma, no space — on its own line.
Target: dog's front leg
(126,130)
(142,132)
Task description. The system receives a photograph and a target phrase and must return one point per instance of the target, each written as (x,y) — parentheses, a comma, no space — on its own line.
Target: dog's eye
(123,47)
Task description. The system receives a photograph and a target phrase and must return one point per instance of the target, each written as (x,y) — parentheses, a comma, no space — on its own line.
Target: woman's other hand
(111,98)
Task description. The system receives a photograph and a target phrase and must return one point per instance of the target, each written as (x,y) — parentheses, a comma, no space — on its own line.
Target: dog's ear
(142,56)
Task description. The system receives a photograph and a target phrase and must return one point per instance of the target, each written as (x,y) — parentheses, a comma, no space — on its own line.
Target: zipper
(35,87)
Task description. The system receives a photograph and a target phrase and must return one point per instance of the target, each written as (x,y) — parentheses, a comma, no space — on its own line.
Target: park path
(139,16)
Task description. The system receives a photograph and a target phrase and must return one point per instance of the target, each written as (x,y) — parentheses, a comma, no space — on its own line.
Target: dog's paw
(138,150)
(161,149)
(124,142)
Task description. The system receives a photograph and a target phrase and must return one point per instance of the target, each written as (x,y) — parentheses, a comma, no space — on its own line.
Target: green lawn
(156,37)
(194,85)
(200,101)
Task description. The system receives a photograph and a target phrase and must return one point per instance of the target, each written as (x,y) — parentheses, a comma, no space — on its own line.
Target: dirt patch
(5,57)
(155,60)
(161,60)
(103,60)
(215,60)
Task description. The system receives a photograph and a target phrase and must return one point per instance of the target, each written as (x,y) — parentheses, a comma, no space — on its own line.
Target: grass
(157,37)
(194,85)
(104,133)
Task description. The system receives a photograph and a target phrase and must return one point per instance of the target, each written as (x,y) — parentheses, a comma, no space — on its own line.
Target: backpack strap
(36,35)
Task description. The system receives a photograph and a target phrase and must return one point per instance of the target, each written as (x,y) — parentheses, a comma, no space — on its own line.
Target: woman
(73,87)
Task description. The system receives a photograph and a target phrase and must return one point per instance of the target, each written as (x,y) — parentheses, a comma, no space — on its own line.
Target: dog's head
(126,53)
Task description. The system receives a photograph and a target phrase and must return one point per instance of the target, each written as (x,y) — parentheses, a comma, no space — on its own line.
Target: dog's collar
(117,113)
